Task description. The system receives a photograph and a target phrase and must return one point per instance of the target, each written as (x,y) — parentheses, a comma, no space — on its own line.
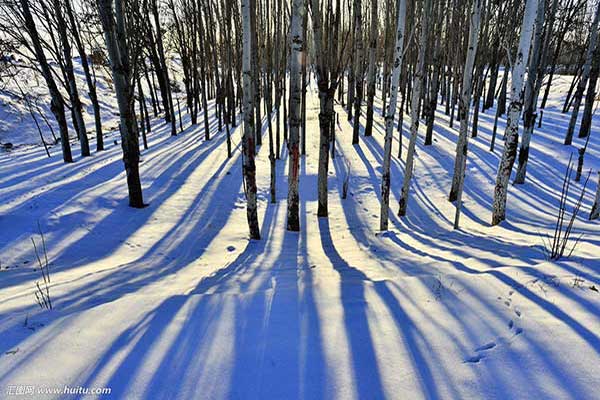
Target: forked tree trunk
(57,103)
(531,95)
(511,135)
(389,117)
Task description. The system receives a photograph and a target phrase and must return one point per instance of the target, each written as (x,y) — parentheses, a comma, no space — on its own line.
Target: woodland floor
(174,301)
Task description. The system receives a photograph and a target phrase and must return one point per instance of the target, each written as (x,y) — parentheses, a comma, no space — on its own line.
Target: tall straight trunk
(91,84)
(372,69)
(142,112)
(255,75)
(430,104)
(590,98)
(358,69)
(296,56)
(387,55)
(204,77)
(389,117)
(115,35)
(162,72)
(595,212)
(72,83)
(327,81)
(531,95)
(57,104)
(460,162)
(511,135)
(248,145)
(165,70)
(587,66)
(414,107)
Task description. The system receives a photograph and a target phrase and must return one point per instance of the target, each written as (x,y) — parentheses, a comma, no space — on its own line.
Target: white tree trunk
(414,111)
(460,162)
(511,135)
(389,117)
(531,95)
(248,144)
(297,44)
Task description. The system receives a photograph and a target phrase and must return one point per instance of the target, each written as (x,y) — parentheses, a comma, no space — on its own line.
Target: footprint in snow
(480,353)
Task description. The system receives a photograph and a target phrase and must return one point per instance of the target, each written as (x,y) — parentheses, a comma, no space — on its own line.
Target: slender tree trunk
(296,56)
(584,76)
(91,84)
(372,69)
(142,110)
(463,110)
(595,213)
(57,104)
(414,112)
(248,145)
(358,69)
(389,117)
(115,34)
(72,83)
(590,98)
(511,135)
(531,95)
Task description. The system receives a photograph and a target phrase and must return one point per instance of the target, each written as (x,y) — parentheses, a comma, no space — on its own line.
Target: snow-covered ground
(173,301)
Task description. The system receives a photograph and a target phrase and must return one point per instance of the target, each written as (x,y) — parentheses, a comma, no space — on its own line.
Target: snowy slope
(173,301)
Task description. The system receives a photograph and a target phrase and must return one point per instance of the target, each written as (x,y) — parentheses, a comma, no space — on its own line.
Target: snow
(174,301)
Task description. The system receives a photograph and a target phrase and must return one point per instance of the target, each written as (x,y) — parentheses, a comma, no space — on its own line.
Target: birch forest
(299,199)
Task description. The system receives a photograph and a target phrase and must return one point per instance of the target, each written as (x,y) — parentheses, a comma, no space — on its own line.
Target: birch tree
(248,143)
(460,161)
(511,134)
(297,44)
(390,114)
(414,111)
(531,95)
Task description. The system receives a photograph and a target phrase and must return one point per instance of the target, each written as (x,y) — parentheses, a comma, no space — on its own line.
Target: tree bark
(248,145)
(115,34)
(296,56)
(511,135)
(57,104)
(414,112)
(389,117)
(460,162)
(372,72)
(584,76)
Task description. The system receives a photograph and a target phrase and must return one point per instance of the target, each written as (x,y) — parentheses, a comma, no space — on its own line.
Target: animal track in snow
(480,352)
